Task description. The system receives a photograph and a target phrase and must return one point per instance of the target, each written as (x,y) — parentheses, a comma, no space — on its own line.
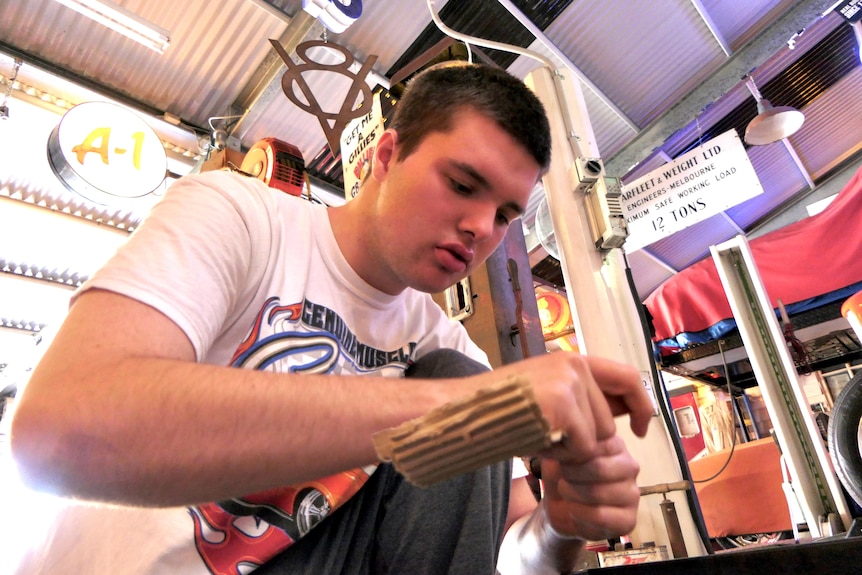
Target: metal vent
(326,167)
(35,272)
(72,204)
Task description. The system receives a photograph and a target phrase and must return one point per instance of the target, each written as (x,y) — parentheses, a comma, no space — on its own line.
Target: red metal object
(276,163)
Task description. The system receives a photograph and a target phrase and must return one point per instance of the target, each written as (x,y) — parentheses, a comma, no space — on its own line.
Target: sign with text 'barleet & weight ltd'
(693,187)
(106,153)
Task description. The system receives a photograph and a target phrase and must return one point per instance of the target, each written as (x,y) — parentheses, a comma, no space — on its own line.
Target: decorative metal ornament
(333,123)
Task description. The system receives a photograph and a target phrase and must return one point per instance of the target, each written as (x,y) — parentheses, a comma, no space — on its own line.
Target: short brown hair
(433,96)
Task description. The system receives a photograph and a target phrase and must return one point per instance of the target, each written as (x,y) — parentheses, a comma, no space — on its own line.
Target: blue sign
(335,15)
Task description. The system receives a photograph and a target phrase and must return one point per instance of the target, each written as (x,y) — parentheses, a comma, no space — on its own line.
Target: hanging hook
(699,130)
(4,108)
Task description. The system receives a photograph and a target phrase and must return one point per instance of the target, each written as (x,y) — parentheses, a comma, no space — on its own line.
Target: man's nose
(479,223)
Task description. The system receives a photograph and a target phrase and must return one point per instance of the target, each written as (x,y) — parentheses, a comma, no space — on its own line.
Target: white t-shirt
(255,279)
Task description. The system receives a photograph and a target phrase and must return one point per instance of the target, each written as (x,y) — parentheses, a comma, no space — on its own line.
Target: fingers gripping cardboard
(494,424)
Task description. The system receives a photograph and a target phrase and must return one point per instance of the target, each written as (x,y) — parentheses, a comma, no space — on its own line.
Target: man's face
(442,210)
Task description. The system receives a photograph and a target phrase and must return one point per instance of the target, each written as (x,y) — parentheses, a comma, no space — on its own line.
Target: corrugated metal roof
(608,41)
(692,244)
(212,55)
(780,178)
(648,270)
(486,20)
(796,77)
(378,36)
(828,139)
(739,22)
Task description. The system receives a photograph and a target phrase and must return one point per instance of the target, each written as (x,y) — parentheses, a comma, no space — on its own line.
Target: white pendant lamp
(771,124)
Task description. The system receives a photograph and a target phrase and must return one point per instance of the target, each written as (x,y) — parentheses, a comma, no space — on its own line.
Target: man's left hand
(596,499)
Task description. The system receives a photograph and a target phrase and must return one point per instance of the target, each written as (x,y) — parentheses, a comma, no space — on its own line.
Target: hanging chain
(699,131)
(11,81)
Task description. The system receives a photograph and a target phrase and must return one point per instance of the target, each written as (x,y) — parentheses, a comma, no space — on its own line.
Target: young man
(138,403)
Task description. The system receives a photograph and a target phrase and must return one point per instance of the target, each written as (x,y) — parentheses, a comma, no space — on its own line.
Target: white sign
(695,186)
(357,147)
(106,153)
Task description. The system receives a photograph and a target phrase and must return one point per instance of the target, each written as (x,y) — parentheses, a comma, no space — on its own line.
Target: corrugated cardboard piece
(494,424)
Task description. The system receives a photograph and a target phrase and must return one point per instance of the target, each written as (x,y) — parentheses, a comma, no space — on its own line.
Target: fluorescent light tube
(857,30)
(123,21)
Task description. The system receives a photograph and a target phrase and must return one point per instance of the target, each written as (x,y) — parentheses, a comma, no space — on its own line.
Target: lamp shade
(772,124)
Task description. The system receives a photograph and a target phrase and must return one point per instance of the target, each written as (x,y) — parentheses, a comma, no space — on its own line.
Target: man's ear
(384,154)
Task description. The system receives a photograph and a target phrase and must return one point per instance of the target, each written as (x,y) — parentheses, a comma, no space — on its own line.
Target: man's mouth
(454,257)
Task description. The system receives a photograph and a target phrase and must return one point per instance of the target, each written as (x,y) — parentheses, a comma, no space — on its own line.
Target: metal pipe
(674,531)
(512,267)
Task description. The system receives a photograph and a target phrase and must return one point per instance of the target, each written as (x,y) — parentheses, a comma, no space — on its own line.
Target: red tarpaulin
(808,258)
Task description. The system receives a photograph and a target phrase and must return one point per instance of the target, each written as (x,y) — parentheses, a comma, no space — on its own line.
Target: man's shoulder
(225,180)
(242,191)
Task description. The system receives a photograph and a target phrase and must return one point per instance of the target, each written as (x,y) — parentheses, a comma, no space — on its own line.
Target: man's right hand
(579,396)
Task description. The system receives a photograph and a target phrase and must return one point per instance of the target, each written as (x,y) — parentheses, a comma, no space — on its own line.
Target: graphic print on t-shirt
(240,534)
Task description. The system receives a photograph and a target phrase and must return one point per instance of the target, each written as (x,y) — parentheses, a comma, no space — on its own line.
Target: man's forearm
(160,432)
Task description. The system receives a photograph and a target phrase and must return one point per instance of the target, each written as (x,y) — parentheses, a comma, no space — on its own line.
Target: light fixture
(771,124)
(219,136)
(123,21)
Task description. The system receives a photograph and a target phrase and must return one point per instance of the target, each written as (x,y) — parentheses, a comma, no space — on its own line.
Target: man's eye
(503,219)
(460,188)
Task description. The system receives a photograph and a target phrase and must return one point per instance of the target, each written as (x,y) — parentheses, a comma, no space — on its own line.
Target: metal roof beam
(713,28)
(658,261)
(265,83)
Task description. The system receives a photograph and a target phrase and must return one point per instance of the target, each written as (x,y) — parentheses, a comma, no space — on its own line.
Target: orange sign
(554,312)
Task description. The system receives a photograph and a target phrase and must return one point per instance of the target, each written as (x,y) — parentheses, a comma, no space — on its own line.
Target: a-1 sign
(693,187)
(107,153)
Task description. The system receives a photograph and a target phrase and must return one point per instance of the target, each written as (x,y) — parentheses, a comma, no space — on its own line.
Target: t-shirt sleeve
(191,257)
